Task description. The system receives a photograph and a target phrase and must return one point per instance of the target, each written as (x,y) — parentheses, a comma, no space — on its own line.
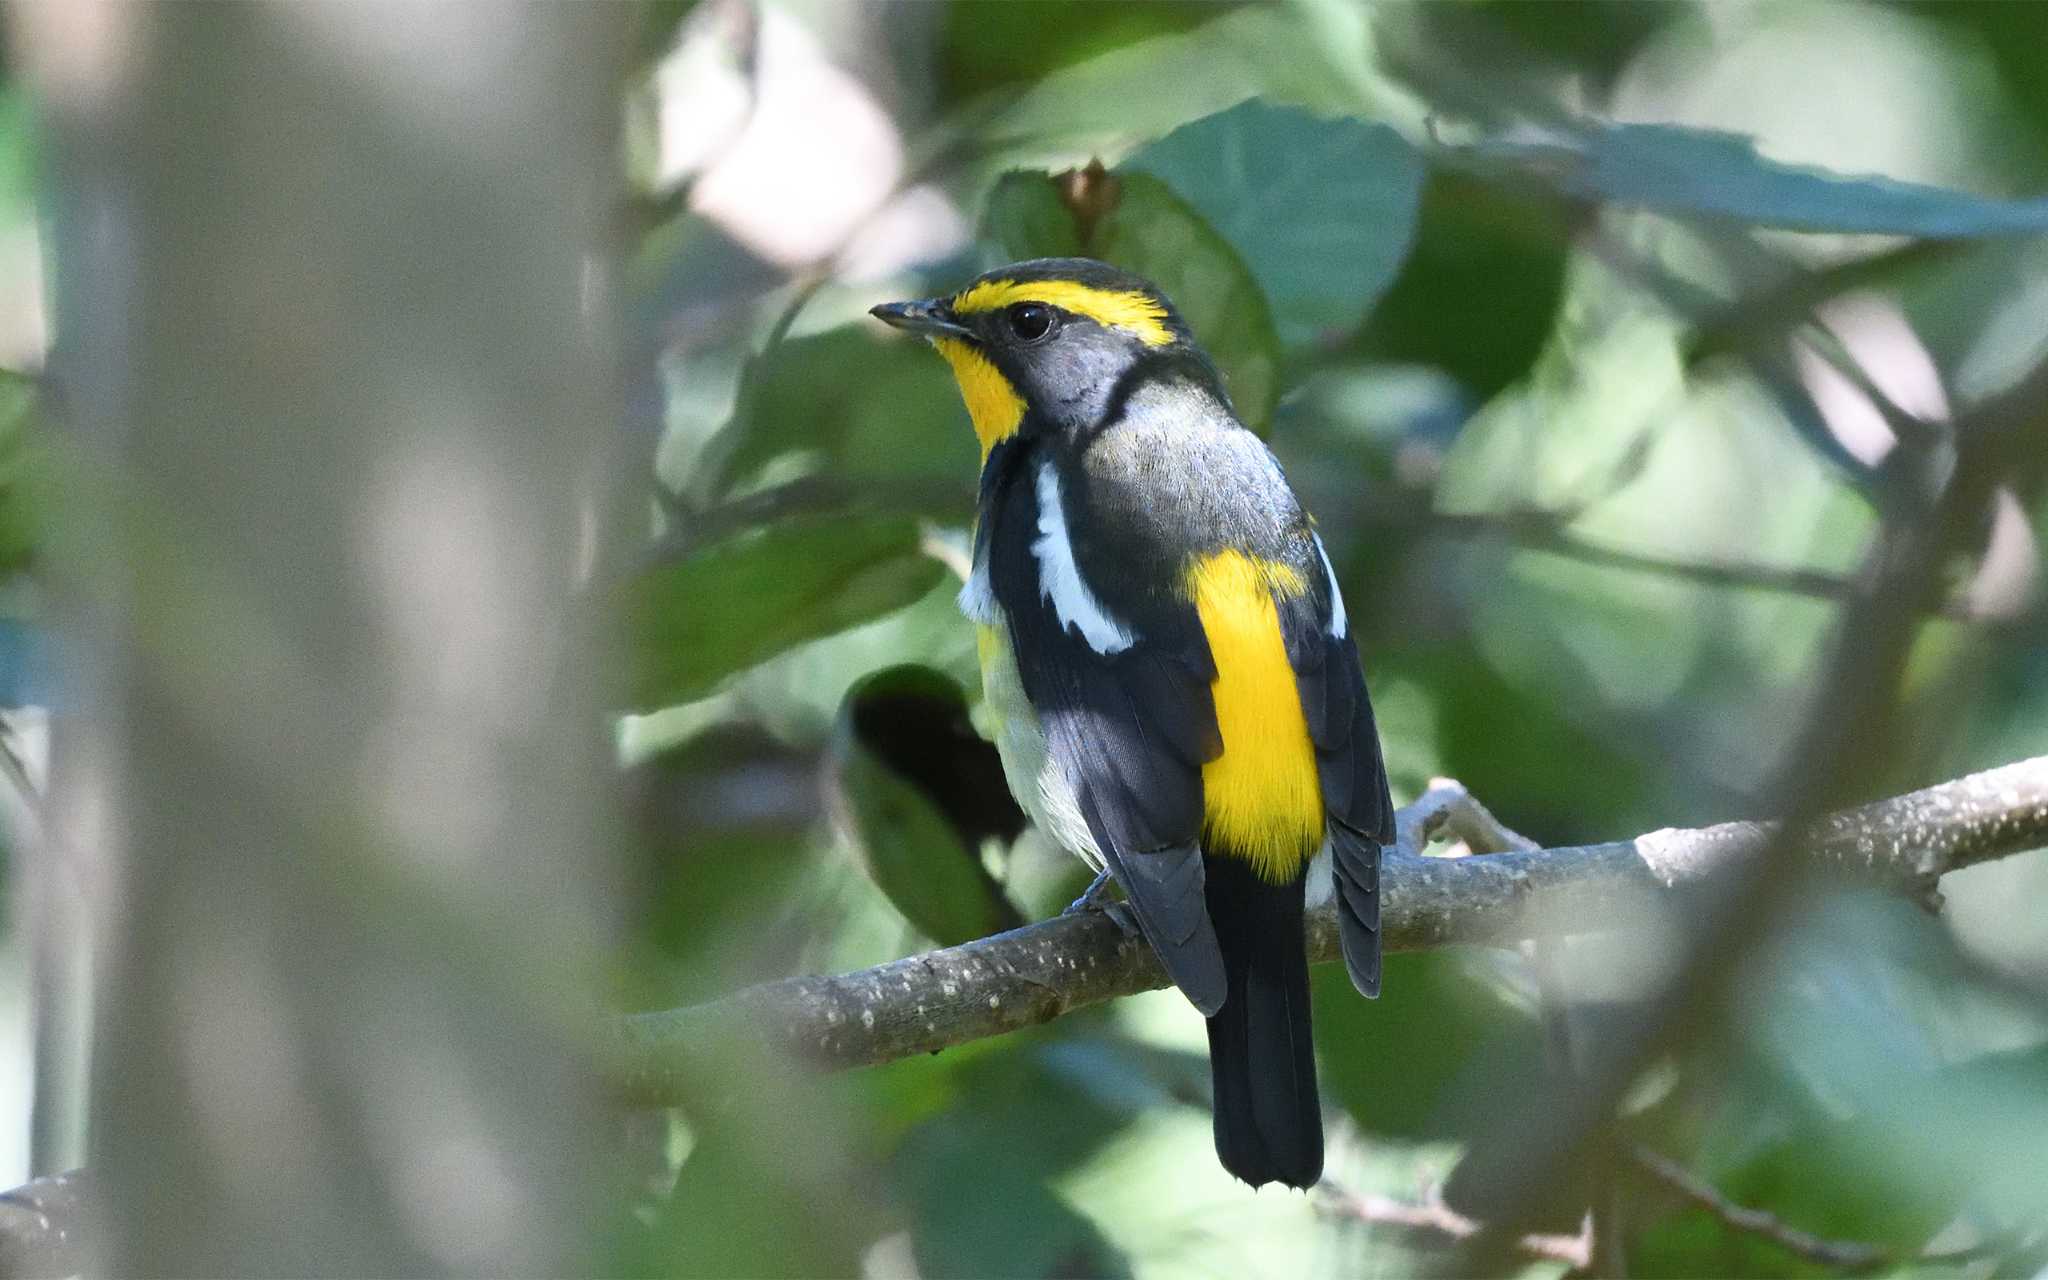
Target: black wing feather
(1131,730)
(1349,766)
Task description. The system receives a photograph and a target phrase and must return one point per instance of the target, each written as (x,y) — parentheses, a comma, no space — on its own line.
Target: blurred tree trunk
(331,284)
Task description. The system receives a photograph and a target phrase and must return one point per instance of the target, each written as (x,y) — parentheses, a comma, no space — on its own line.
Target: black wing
(1131,730)
(1353,774)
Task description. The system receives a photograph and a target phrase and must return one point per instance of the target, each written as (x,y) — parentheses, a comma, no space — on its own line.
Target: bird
(1167,656)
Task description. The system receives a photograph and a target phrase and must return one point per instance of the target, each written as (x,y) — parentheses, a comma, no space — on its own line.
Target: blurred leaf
(1704,172)
(1479,292)
(985,46)
(1026,218)
(2011,36)
(1592,38)
(716,1223)
(776,1182)
(722,821)
(1322,211)
(915,792)
(1444,706)
(1396,1063)
(1965,1138)
(727,606)
(977,1175)
(854,403)
(19,498)
(1311,55)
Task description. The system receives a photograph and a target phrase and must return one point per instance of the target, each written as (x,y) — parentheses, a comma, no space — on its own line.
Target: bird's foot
(1095,897)
(1121,915)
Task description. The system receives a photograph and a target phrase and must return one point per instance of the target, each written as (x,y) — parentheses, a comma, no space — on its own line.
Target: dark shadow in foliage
(916,791)
(1480,290)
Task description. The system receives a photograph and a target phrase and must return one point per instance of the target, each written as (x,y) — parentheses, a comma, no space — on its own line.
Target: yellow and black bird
(1163,642)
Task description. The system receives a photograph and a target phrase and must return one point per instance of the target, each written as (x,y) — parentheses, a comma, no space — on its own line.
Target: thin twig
(1848,1255)
(1431,1217)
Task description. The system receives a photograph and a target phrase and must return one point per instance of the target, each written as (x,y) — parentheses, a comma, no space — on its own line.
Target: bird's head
(1053,344)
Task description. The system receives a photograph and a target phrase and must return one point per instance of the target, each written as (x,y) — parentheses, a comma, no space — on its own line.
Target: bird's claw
(1120,913)
(1094,898)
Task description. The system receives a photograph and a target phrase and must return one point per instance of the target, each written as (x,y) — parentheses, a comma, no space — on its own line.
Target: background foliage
(1586,331)
(1547,309)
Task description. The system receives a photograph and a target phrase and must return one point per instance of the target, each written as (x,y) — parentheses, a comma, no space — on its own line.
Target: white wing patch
(1339,622)
(1059,578)
(977,598)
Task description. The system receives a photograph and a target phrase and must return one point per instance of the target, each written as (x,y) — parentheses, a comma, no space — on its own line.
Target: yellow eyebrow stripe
(1129,310)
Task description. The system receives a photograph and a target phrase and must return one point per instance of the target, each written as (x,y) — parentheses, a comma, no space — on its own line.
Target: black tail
(1269,1122)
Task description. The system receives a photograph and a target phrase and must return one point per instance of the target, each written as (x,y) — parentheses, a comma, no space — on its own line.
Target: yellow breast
(1262,800)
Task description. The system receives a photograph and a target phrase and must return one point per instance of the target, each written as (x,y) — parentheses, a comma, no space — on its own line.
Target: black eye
(1031,321)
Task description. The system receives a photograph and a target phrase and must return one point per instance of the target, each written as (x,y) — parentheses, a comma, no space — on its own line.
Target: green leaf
(711,896)
(1155,233)
(988,45)
(1398,1064)
(1025,218)
(1479,291)
(20,497)
(1313,55)
(856,404)
(1704,172)
(1968,1137)
(977,1174)
(727,606)
(1322,211)
(915,790)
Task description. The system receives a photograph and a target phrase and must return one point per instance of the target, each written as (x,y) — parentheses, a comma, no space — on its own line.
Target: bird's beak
(933,318)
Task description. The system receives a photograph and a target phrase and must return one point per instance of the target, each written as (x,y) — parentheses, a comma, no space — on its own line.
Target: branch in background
(1440,1224)
(42,1226)
(1437,1223)
(1847,1255)
(1550,531)
(1029,976)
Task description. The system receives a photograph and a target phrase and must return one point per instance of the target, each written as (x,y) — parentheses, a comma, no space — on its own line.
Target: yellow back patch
(993,405)
(1125,309)
(1262,799)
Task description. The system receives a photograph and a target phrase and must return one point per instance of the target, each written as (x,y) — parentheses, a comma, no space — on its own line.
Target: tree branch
(1028,976)
(42,1226)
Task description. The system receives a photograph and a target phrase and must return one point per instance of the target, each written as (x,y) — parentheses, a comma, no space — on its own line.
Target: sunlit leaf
(1313,55)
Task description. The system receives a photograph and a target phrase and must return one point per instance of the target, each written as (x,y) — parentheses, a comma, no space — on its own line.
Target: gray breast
(1179,474)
